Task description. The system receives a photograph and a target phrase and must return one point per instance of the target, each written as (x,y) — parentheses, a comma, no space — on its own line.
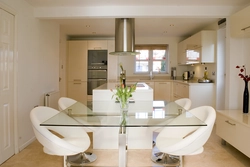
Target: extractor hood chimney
(124,37)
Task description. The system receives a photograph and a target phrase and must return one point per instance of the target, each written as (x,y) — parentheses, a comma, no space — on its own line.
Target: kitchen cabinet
(199,48)
(202,94)
(77,90)
(162,91)
(180,90)
(182,46)
(97,45)
(112,62)
(233,126)
(77,61)
(199,93)
(240,21)
(77,70)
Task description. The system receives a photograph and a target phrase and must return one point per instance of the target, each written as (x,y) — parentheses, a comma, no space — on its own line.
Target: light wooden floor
(215,155)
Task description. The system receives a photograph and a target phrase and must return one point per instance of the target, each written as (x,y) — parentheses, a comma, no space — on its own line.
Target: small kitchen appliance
(173,73)
(186,75)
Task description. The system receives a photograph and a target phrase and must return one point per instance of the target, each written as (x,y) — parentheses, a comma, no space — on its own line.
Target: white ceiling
(185,24)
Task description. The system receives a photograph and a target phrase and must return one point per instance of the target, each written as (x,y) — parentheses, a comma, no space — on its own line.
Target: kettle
(186,75)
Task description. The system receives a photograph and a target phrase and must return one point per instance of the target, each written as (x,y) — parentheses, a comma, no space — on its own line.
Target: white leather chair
(184,103)
(65,102)
(180,141)
(70,142)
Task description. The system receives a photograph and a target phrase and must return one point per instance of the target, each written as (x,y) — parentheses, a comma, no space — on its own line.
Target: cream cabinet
(180,90)
(234,127)
(202,94)
(199,48)
(182,46)
(199,93)
(97,45)
(77,70)
(162,91)
(208,43)
(240,23)
(112,63)
(77,61)
(78,90)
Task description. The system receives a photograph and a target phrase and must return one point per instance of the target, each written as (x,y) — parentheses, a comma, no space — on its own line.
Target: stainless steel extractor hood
(124,37)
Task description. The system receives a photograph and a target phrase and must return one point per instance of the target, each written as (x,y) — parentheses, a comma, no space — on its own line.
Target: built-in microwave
(97,56)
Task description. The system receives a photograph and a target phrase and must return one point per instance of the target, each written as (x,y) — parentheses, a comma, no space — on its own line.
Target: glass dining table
(141,114)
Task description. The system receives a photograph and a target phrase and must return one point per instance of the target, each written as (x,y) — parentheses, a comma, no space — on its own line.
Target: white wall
(237,53)
(63,63)
(37,57)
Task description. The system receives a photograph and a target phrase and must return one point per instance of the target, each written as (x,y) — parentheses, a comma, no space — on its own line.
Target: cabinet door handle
(77,79)
(230,123)
(77,83)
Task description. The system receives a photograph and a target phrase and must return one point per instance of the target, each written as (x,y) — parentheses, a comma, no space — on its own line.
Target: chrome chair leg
(165,159)
(81,159)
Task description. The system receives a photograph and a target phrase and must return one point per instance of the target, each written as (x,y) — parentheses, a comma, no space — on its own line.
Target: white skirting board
(51,99)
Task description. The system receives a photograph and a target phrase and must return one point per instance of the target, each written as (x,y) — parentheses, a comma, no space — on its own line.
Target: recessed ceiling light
(165,32)
(87,26)
(171,25)
(93,32)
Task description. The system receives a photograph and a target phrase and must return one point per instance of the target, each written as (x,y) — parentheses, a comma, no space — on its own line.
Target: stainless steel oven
(97,75)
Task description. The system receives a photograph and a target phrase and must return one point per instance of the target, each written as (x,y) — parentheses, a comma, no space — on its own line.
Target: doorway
(7,145)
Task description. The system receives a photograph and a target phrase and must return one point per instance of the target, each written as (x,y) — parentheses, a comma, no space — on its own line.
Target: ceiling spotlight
(93,32)
(171,25)
(87,26)
(165,32)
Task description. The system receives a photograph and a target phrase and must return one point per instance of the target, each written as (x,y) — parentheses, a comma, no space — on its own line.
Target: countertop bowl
(204,80)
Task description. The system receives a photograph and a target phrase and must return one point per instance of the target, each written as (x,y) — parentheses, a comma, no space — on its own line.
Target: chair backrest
(188,140)
(65,102)
(52,143)
(184,102)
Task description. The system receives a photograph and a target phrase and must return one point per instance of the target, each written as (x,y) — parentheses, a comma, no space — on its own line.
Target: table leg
(122,147)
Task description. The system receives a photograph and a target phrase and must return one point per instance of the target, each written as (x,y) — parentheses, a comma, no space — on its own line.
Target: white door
(6,86)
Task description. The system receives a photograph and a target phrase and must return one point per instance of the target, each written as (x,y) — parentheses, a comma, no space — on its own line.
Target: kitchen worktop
(113,85)
(164,79)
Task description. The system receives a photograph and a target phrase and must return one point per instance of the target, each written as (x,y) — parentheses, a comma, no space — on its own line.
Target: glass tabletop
(140,114)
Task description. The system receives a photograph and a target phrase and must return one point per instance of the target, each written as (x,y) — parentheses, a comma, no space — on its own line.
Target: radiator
(51,99)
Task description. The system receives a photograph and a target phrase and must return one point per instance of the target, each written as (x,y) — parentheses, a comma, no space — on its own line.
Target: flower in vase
(243,74)
(123,93)
(120,64)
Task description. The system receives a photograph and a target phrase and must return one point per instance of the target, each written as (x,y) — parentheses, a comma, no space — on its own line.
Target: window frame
(150,60)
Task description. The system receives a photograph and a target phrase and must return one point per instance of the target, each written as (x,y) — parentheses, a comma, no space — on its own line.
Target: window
(151,58)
